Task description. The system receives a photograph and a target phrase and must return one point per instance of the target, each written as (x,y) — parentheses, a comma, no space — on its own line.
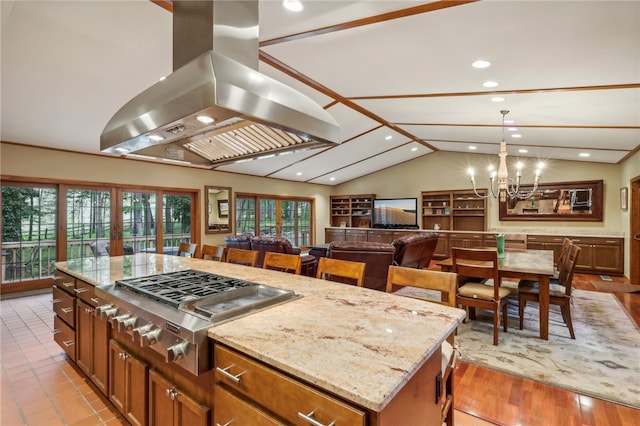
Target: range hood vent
(215,104)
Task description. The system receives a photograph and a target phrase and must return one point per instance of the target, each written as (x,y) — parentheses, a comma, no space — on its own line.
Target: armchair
(415,250)
(376,256)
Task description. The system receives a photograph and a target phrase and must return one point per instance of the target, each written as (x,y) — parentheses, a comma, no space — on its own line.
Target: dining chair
(212,252)
(424,284)
(291,263)
(559,294)
(338,270)
(564,251)
(480,265)
(242,256)
(188,250)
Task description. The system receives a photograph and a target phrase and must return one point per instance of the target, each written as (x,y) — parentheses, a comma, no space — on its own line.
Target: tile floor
(40,387)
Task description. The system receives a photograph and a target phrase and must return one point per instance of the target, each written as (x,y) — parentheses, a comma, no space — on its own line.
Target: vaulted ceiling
(396,75)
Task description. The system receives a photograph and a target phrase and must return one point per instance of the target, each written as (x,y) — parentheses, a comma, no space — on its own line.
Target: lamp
(505,186)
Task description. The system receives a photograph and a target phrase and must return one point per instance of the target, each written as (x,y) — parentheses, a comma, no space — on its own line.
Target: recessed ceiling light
(414,149)
(523,151)
(164,77)
(516,135)
(121,149)
(292,5)
(490,84)
(332,178)
(472,147)
(156,137)
(509,121)
(585,154)
(481,63)
(205,119)
(512,129)
(388,137)
(497,99)
(299,174)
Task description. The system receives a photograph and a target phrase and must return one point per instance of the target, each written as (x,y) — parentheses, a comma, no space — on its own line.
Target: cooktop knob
(107,312)
(150,337)
(138,331)
(176,351)
(116,320)
(127,323)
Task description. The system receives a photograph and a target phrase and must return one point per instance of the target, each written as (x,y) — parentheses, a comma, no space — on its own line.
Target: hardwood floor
(508,400)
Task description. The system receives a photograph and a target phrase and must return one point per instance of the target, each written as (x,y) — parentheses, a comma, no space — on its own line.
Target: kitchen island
(374,353)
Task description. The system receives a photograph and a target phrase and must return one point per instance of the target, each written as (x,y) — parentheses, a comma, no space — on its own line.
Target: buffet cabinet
(598,255)
(248,391)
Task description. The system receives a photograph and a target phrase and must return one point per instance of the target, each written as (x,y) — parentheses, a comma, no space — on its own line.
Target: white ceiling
(569,72)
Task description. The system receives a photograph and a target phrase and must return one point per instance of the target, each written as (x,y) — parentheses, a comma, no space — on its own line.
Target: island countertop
(360,344)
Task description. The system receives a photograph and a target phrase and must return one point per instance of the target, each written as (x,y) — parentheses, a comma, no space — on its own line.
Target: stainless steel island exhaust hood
(216,108)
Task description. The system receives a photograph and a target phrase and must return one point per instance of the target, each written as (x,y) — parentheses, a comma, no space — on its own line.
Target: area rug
(603,361)
(612,286)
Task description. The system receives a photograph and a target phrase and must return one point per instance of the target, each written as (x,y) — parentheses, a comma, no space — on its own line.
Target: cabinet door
(84,336)
(607,258)
(333,235)
(355,235)
(585,258)
(137,379)
(117,381)
(231,408)
(379,236)
(100,353)
(161,407)
(189,413)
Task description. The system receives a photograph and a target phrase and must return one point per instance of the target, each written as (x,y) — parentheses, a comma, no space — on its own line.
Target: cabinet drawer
(87,293)
(65,282)
(597,241)
(64,336)
(64,306)
(266,387)
(229,407)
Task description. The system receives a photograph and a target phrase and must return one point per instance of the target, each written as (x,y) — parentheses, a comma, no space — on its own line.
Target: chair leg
(505,316)
(496,325)
(521,304)
(566,313)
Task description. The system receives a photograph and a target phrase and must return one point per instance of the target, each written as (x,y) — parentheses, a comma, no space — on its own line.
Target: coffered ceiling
(396,75)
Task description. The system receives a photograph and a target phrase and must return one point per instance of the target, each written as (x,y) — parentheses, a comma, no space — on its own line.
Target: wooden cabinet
(454,210)
(600,255)
(232,408)
(546,242)
(92,337)
(352,210)
(334,234)
(381,236)
(261,385)
(169,406)
(64,308)
(128,380)
(356,235)
(466,240)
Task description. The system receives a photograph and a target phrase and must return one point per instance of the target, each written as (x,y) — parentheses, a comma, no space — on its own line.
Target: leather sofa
(377,257)
(242,241)
(415,250)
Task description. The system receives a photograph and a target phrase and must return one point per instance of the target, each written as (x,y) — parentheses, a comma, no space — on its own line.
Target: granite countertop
(360,344)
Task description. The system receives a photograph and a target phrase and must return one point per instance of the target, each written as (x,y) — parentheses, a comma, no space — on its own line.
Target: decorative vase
(500,245)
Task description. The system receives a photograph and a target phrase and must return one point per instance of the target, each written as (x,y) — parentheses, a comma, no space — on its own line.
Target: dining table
(534,265)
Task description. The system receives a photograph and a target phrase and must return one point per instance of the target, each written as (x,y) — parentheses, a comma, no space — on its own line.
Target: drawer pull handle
(80,290)
(576,241)
(95,300)
(54,301)
(226,424)
(610,242)
(68,284)
(225,372)
(309,418)
(67,310)
(68,343)
(56,331)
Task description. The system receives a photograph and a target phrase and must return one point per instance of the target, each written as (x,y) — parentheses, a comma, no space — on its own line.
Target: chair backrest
(415,250)
(564,252)
(291,263)
(211,252)
(188,250)
(565,276)
(270,244)
(377,256)
(344,271)
(477,263)
(242,257)
(443,282)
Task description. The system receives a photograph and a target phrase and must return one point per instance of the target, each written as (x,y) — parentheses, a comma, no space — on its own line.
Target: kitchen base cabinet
(65,337)
(168,406)
(64,308)
(255,390)
(128,378)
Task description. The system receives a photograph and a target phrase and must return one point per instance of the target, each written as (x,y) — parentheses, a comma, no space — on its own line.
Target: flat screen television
(395,213)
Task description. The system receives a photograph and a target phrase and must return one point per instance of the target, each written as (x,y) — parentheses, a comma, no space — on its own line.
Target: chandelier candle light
(506,186)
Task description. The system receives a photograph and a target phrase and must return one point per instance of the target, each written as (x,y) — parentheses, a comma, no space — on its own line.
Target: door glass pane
(138,222)
(303,234)
(268,218)
(88,223)
(28,232)
(246,216)
(176,222)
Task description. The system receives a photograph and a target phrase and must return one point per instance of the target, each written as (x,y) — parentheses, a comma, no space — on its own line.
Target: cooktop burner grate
(174,288)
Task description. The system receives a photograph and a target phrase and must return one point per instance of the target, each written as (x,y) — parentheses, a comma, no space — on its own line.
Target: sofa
(377,257)
(415,250)
(242,241)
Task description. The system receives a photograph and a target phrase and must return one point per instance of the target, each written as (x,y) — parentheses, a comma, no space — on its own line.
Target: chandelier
(500,183)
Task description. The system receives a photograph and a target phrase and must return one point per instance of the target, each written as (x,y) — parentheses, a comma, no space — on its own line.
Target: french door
(269,216)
